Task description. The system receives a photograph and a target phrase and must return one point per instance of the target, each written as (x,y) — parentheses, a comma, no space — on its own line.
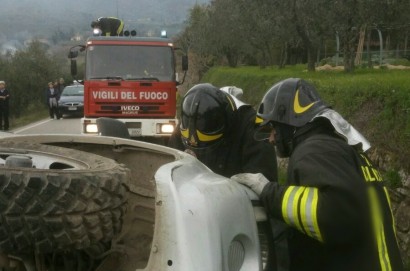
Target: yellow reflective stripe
(120,28)
(285,202)
(290,206)
(305,212)
(308,213)
(201,136)
(379,230)
(185,133)
(295,208)
(314,214)
(366,160)
(371,178)
(258,120)
(391,213)
(204,138)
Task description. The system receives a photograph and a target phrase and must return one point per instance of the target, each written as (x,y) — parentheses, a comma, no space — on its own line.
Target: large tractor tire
(54,198)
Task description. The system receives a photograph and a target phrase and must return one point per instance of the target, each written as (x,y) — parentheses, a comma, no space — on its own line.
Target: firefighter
(109,26)
(334,201)
(218,129)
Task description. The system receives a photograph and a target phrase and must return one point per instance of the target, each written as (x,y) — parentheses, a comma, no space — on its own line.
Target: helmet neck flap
(293,103)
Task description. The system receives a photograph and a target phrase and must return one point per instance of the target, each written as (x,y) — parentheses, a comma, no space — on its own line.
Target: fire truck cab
(132,79)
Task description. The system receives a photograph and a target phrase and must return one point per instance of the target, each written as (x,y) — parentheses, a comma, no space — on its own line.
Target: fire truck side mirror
(184,62)
(73,67)
(72,54)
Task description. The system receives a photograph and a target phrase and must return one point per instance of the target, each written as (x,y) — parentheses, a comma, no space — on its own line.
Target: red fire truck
(132,79)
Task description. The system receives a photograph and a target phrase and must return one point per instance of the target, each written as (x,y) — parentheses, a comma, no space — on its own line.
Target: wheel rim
(39,160)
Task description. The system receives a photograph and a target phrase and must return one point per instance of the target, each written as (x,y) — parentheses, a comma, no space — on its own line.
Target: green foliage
(282,175)
(33,114)
(392,177)
(26,74)
(376,102)
(273,32)
(400,61)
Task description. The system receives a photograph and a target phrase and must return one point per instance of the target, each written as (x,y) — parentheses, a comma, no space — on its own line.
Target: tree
(197,39)
(310,20)
(260,29)
(270,32)
(26,74)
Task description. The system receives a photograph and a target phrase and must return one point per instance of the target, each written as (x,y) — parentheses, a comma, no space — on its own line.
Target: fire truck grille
(142,109)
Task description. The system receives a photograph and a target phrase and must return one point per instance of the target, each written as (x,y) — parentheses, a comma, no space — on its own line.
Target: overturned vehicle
(76,202)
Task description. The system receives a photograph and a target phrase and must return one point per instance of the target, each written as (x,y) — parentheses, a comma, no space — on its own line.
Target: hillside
(33,18)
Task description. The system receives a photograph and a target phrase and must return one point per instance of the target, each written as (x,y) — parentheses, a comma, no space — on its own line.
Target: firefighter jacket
(239,152)
(111,26)
(336,205)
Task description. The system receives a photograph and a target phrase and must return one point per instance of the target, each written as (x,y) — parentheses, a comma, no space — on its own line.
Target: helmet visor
(210,124)
(203,128)
(196,139)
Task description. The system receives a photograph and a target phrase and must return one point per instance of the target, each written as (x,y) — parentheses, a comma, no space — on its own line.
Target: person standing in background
(4,106)
(60,87)
(52,101)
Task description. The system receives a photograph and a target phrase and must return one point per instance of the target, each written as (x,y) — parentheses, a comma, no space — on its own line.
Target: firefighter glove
(256,181)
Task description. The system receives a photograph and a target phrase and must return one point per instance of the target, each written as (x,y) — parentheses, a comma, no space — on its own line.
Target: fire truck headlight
(91,128)
(167,128)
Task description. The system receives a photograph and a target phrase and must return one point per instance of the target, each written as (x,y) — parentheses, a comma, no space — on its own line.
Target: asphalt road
(51,126)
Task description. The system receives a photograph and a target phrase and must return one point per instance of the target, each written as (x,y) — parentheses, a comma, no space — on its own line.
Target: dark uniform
(337,206)
(52,98)
(334,203)
(212,113)
(4,108)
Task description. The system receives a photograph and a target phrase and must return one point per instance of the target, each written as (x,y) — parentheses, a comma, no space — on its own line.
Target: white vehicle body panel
(201,214)
(203,221)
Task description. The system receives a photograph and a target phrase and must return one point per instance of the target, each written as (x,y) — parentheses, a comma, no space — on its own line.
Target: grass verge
(376,102)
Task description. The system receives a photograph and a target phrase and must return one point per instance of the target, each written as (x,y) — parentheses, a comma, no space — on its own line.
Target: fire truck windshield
(130,62)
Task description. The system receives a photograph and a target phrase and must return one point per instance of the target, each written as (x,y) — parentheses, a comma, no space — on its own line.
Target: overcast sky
(33,16)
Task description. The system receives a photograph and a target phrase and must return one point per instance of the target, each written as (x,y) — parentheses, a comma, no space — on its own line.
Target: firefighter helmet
(292,101)
(205,117)
(289,104)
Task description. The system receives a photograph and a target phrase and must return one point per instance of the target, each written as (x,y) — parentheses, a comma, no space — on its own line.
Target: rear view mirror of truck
(72,54)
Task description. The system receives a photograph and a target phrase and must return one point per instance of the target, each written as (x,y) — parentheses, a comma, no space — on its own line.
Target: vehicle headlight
(167,128)
(91,128)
